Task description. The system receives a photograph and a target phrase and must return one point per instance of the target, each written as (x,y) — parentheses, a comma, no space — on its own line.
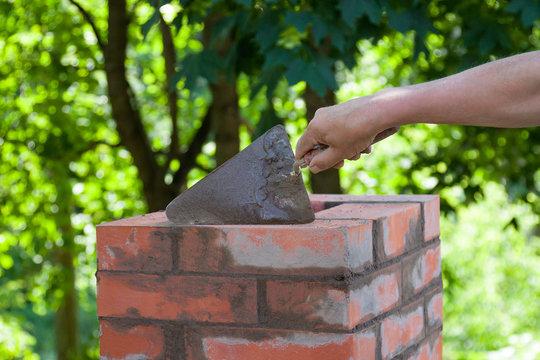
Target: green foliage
(63,169)
(529,10)
(60,170)
(203,64)
(351,10)
(491,275)
(14,341)
(301,40)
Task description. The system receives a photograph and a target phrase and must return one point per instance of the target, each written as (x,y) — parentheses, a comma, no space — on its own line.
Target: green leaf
(325,68)
(401,21)
(276,56)
(320,28)
(145,28)
(337,35)
(270,78)
(299,19)
(487,43)
(178,21)
(222,28)
(246,3)
(204,64)
(319,74)
(349,59)
(267,27)
(268,37)
(268,120)
(352,10)
(529,9)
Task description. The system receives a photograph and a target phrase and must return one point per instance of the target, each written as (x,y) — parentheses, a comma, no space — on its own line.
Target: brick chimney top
(363,281)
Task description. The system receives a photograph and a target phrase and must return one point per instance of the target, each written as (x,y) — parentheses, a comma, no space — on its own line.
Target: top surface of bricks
(340,240)
(159,219)
(429,205)
(372,198)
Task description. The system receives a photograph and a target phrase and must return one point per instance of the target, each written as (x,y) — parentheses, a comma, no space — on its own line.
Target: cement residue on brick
(370,300)
(435,309)
(401,330)
(422,272)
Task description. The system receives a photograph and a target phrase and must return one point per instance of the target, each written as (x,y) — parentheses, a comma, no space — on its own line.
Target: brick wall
(361,282)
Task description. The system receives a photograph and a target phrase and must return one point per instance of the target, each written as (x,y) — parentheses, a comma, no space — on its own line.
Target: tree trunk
(126,113)
(66,330)
(225,119)
(326,182)
(225,114)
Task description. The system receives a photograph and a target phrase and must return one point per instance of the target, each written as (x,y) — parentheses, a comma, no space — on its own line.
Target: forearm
(503,93)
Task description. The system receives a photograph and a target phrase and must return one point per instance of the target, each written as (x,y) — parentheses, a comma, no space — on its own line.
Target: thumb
(305,144)
(325,159)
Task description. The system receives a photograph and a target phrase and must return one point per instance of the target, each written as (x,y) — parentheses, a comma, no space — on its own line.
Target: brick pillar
(361,282)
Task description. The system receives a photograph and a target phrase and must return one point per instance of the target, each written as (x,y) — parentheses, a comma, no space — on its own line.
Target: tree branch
(95,144)
(170,62)
(88,19)
(124,106)
(188,159)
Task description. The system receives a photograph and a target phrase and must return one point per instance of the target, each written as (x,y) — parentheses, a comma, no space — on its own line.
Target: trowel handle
(306,160)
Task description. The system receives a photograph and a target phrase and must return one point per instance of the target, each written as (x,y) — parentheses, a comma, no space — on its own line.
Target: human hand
(346,131)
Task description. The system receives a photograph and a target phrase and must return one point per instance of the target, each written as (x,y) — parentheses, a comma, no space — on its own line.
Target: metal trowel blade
(256,186)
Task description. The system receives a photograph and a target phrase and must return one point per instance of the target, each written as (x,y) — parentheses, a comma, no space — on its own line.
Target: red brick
(212,299)
(315,305)
(398,225)
(431,349)
(157,219)
(263,344)
(317,206)
(318,248)
(431,218)
(133,248)
(434,307)
(401,330)
(309,305)
(381,293)
(421,268)
(430,206)
(120,341)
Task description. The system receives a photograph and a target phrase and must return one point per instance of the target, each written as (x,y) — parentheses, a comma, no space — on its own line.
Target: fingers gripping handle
(306,159)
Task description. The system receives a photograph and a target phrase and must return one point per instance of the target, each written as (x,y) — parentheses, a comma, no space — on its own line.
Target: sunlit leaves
(52,94)
(145,28)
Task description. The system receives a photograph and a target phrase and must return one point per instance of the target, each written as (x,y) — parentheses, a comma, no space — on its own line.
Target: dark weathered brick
(200,298)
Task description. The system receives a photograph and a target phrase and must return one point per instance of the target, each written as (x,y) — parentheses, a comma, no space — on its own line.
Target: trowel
(256,186)
(262,184)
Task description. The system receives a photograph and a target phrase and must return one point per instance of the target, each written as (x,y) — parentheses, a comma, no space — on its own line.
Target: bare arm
(503,93)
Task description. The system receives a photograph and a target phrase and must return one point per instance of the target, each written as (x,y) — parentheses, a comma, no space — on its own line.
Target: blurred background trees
(110,109)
